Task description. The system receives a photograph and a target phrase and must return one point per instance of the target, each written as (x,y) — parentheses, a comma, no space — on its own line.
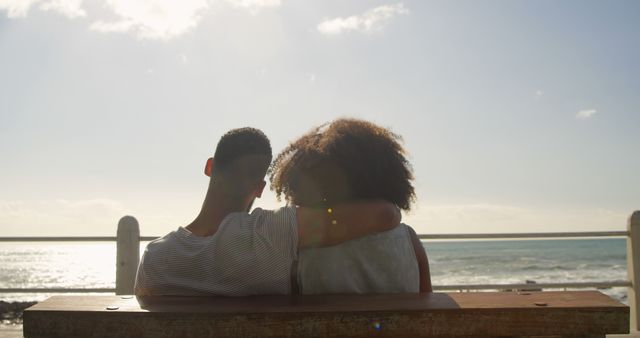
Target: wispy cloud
(90,217)
(184,59)
(20,8)
(69,8)
(153,19)
(585,114)
(16,9)
(538,94)
(371,20)
(50,216)
(254,6)
(146,19)
(488,217)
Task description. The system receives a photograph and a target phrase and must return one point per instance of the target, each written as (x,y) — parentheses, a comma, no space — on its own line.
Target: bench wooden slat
(573,313)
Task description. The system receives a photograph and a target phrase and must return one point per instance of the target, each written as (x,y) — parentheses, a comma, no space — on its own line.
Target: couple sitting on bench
(344,182)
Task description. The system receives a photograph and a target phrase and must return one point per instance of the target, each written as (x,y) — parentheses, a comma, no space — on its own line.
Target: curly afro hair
(345,160)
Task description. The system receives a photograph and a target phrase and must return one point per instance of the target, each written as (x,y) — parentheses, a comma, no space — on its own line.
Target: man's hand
(326,227)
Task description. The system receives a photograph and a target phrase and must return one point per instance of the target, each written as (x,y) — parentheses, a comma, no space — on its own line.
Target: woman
(344,161)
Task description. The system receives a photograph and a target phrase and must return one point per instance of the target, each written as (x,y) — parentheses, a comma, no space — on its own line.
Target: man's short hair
(243,153)
(345,160)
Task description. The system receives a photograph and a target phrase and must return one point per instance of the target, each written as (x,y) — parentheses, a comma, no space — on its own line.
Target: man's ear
(261,189)
(208,167)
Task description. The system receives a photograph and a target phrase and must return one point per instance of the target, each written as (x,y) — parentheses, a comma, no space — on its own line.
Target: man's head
(345,160)
(239,164)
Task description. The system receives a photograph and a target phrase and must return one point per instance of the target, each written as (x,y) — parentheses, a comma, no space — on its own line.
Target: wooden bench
(482,314)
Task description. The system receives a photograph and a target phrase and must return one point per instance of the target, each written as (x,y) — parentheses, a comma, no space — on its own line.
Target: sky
(518,116)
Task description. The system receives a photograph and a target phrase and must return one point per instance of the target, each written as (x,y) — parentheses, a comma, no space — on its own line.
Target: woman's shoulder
(401,231)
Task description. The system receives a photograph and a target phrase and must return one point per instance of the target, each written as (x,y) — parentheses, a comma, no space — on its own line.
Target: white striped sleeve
(278,229)
(140,287)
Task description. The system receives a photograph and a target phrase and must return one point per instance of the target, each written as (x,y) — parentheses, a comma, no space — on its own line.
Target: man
(228,251)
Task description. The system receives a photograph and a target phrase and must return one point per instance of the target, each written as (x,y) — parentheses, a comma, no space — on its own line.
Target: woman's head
(345,160)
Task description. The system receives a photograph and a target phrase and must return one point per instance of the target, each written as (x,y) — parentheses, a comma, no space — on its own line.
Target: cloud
(20,8)
(262,72)
(500,218)
(538,94)
(16,8)
(112,27)
(61,217)
(91,217)
(152,19)
(69,8)
(585,114)
(184,59)
(147,19)
(254,6)
(371,20)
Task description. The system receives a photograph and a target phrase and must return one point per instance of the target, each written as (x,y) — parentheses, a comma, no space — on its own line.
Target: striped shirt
(250,254)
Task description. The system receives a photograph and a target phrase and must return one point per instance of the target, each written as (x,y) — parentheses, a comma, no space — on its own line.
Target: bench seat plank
(481,314)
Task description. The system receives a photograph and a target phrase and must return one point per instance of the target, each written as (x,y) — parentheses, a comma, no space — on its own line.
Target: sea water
(92,264)
(542,261)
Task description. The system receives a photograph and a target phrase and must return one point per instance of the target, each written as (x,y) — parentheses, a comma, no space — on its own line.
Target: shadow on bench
(482,314)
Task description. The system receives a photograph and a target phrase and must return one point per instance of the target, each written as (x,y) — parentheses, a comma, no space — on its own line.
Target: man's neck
(214,210)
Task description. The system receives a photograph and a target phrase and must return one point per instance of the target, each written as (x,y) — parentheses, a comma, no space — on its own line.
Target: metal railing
(529,235)
(128,250)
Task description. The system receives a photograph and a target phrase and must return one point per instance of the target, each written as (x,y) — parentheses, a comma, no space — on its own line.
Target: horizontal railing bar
(70,239)
(575,285)
(57,290)
(59,239)
(421,236)
(527,235)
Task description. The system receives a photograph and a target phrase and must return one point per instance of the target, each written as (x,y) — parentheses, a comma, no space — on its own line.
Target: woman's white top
(381,263)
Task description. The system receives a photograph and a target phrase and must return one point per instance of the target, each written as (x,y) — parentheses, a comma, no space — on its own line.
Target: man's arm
(326,227)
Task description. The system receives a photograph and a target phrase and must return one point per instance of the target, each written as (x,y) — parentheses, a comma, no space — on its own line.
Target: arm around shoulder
(331,226)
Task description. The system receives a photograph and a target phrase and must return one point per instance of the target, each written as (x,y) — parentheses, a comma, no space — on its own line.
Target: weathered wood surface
(575,314)
(11,332)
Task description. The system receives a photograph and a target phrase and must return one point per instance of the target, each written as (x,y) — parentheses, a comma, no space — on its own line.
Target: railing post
(633,268)
(128,254)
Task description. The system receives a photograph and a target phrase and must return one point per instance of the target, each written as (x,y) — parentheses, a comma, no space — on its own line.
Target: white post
(128,254)
(633,268)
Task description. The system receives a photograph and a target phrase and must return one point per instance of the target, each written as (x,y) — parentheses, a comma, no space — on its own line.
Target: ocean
(92,264)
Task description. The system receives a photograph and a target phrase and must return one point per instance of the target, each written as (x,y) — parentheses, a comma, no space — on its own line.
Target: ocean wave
(547,268)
